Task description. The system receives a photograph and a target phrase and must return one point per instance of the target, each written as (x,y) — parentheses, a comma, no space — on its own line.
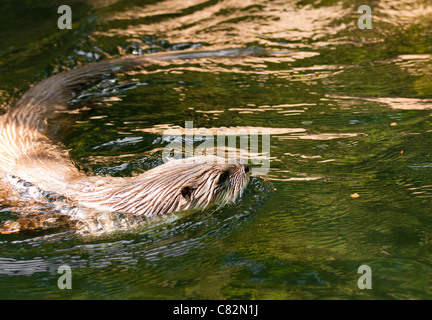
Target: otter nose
(246,167)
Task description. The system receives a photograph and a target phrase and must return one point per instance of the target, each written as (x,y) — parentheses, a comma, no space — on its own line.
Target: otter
(28,154)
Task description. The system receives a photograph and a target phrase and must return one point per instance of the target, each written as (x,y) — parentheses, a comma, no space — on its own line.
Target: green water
(350,186)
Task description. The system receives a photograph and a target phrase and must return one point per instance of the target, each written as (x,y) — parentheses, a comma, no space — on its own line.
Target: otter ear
(224,176)
(186,192)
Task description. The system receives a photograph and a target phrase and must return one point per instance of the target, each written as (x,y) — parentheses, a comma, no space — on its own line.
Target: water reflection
(348,112)
(222,22)
(14,267)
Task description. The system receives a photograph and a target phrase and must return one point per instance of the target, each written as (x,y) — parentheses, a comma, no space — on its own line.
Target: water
(350,178)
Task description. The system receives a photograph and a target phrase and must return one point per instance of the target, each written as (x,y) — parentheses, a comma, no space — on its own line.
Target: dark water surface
(349,110)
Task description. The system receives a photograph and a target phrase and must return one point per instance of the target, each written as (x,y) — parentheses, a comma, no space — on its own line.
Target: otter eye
(224,176)
(187,192)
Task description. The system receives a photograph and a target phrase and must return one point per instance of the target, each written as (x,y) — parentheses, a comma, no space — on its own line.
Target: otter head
(215,183)
(178,185)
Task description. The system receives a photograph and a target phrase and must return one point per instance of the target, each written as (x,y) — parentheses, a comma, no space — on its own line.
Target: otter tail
(54,93)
